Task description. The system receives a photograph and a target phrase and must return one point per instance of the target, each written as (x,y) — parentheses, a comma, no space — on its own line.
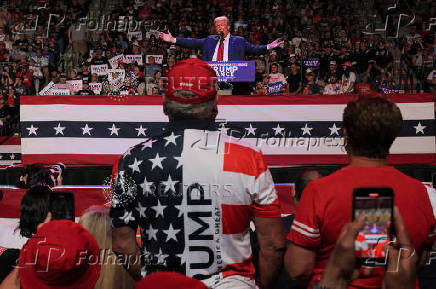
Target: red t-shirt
(326,206)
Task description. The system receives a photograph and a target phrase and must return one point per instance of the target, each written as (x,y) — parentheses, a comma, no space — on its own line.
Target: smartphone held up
(377,205)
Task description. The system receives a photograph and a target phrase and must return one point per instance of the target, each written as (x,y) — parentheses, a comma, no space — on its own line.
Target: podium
(236,72)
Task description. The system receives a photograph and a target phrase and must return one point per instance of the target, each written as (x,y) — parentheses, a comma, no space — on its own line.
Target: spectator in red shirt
(370,125)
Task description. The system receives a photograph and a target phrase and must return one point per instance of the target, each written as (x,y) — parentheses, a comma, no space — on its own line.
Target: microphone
(221,35)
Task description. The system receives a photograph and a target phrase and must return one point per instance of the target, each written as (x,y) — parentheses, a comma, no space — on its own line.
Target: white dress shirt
(226,49)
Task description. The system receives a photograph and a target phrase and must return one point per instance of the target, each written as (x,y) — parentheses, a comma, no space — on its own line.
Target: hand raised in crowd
(402,259)
(275,43)
(340,267)
(167,37)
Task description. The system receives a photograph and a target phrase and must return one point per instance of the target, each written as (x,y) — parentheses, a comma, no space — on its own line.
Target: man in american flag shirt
(193,192)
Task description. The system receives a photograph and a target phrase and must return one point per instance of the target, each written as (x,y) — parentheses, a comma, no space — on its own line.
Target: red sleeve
(266,203)
(305,228)
(11,100)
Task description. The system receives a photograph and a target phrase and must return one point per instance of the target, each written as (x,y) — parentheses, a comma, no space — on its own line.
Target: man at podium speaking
(223,47)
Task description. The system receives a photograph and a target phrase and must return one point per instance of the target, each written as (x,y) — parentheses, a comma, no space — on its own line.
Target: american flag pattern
(290,130)
(193,193)
(10,150)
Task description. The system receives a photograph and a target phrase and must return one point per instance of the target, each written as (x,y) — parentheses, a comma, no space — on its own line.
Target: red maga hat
(192,75)
(61,255)
(169,280)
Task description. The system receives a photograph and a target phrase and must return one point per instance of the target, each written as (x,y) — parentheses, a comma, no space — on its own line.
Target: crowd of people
(195,218)
(325,50)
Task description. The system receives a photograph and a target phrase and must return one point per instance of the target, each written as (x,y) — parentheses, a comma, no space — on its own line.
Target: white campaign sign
(99,69)
(114,60)
(131,58)
(96,87)
(76,84)
(157,58)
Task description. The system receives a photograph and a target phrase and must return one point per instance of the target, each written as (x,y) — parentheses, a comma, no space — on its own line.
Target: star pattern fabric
(155,180)
(154,169)
(247,129)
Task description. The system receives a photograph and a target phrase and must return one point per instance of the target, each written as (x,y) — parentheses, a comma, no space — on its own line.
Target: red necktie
(220,54)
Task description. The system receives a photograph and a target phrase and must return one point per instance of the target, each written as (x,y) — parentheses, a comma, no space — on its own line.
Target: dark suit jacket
(238,47)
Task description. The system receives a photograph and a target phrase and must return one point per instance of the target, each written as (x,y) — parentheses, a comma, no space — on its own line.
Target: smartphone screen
(377,205)
(62,206)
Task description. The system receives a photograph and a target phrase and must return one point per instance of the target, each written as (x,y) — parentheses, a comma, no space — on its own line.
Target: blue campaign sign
(275,88)
(234,71)
(311,63)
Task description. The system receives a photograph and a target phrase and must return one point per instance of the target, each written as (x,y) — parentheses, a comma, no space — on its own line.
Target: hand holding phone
(376,204)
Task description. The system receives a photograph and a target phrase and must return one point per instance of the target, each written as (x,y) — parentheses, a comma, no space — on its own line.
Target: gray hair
(176,110)
(222,18)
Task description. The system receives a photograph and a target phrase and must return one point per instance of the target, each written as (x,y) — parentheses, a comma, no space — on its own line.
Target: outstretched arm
(261,49)
(167,37)
(185,42)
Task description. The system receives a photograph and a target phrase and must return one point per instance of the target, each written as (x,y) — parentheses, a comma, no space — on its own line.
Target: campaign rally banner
(95,87)
(116,81)
(114,60)
(131,58)
(99,69)
(275,88)
(311,63)
(46,90)
(76,84)
(121,73)
(157,58)
(60,92)
(234,71)
(137,35)
(289,129)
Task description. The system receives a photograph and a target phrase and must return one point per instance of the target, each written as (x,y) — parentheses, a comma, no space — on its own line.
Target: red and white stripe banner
(290,130)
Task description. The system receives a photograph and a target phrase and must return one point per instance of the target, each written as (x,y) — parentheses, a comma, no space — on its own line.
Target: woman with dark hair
(37,174)
(32,175)
(34,209)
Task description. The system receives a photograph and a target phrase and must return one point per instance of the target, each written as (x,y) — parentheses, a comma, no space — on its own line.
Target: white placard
(99,69)
(135,34)
(60,92)
(46,90)
(121,74)
(132,58)
(76,84)
(96,87)
(114,60)
(157,58)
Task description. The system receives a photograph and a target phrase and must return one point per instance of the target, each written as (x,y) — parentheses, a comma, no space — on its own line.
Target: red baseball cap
(61,255)
(193,75)
(169,280)
(347,63)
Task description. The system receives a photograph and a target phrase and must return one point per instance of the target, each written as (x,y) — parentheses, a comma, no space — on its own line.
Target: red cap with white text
(192,75)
